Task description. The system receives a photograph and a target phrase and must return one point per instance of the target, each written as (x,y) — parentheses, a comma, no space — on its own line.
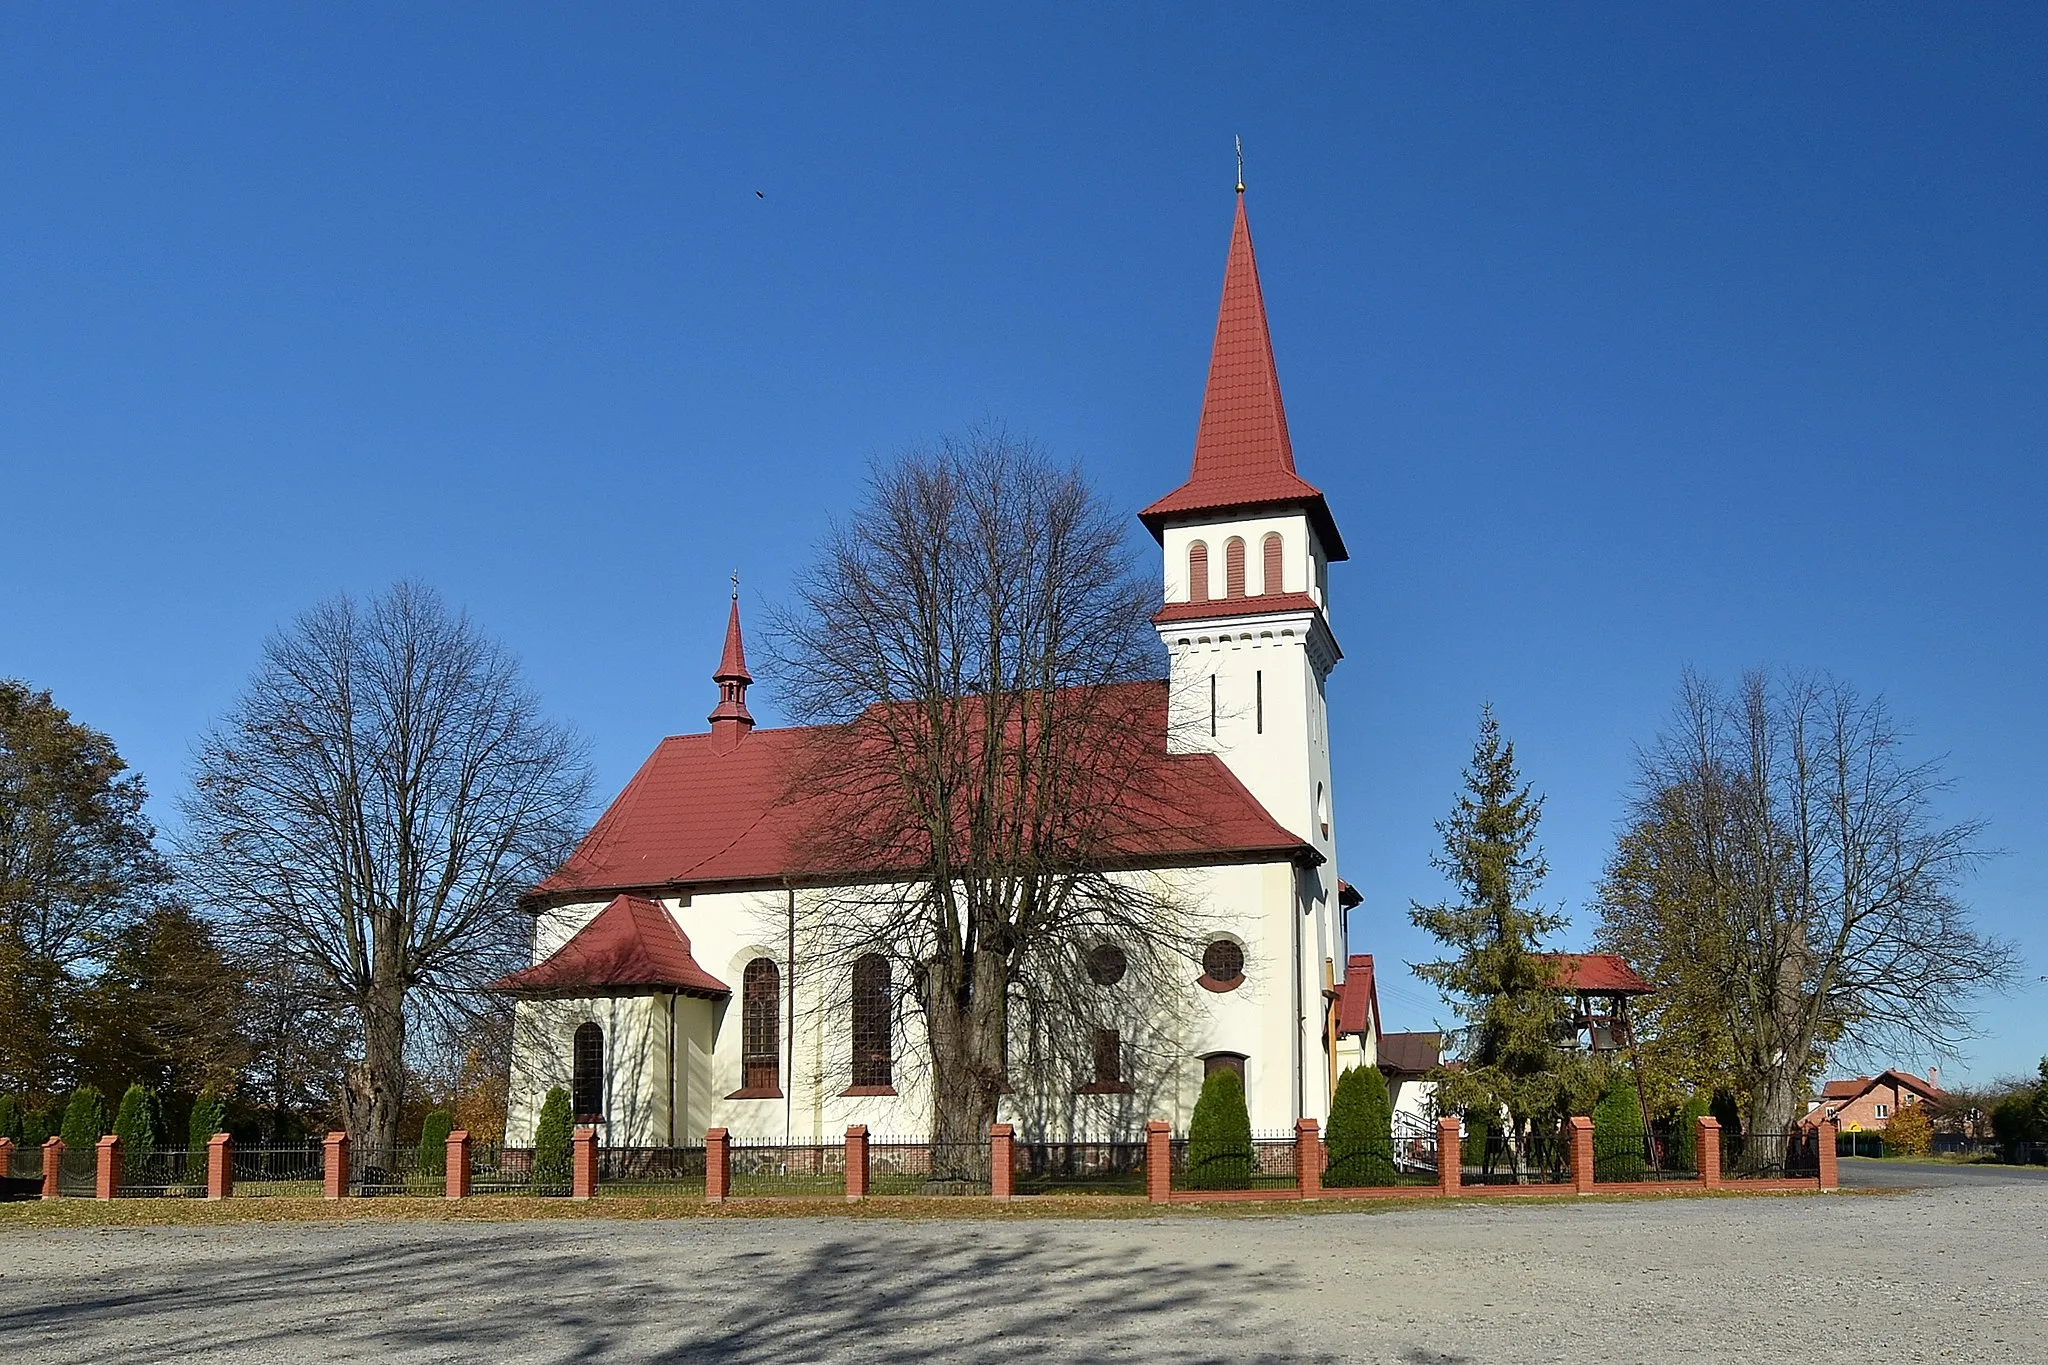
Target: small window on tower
(1198,572)
(1233,567)
(1272,581)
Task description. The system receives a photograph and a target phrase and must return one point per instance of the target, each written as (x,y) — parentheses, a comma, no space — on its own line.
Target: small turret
(732,720)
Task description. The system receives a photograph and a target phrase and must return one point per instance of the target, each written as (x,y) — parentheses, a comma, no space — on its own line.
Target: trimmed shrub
(1683,1153)
(1618,1132)
(552,1138)
(1910,1132)
(1220,1155)
(1360,1142)
(135,1123)
(434,1131)
(10,1118)
(38,1124)
(209,1114)
(85,1119)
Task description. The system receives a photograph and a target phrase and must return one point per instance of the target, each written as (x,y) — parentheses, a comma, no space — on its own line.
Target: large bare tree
(971,641)
(370,810)
(1787,882)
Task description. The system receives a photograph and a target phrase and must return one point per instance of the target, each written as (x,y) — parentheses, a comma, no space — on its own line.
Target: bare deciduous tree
(1787,883)
(972,642)
(371,808)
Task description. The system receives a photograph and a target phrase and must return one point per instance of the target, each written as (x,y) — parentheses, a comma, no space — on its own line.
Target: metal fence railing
(78,1175)
(497,1169)
(650,1171)
(758,1169)
(1634,1157)
(289,1169)
(1539,1159)
(1078,1167)
(900,1165)
(1266,1164)
(164,1173)
(1771,1156)
(25,1162)
(375,1171)
(1407,1160)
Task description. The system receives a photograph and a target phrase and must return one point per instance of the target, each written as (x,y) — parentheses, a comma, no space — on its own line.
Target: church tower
(1247,544)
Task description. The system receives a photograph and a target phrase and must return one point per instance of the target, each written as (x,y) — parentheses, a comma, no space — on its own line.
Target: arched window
(1233,567)
(586,1075)
(761,1029)
(1273,580)
(871,1023)
(1198,572)
(1223,1061)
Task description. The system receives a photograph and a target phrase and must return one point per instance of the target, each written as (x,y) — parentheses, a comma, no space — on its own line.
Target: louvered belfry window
(1271,583)
(761,1026)
(1233,567)
(873,1059)
(1198,572)
(586,1075)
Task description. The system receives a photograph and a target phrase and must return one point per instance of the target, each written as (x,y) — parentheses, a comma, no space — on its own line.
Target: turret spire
(732,719)
(1243,457)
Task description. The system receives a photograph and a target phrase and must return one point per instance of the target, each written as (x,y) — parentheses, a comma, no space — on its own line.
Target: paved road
(1955,1272)
(1862,1173)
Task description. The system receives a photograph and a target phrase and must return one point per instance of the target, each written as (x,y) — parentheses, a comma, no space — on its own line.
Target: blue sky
(1621,339)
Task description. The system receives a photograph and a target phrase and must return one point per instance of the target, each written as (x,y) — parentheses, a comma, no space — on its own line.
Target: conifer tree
(552,1138)
(1220,1154)
(10,1118)
(1618,1131)
(1684,1149)
(434,1131)
(85,1119)
(1501,988)
(135,1122)
(209,1114)
(1361,1136)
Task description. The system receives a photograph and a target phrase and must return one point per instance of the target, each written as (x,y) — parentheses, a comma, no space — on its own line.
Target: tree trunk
(375,1087)
(966,1029)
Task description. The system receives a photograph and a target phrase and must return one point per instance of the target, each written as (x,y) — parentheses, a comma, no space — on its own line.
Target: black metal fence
(900,1165)
(650,1172)
(1405,1160)
(1771,1156)
(25,1162)
(496,1169)
(278,1170)
(78,1174)
(165,1173)
(1539,1159)
(764,1168)
(1630,1157)
(1267,1163)
(1078,1167)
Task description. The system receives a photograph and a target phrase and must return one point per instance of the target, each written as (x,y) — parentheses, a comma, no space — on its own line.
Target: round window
(1223,962)
(1107,964)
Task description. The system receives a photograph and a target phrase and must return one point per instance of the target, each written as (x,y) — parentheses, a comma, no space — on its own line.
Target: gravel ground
(1959,1272)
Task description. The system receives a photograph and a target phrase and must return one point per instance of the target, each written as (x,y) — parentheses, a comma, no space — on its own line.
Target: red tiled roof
(1849,1090)
(697,813)
(1411,1054)
(631,944)
(1347,894)
(1219,607)
(1358,1003)
(1243,457)
(1597,974)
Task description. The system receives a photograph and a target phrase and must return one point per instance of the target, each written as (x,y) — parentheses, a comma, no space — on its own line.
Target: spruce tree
(1360,1142)
(85,1119)
(209,1113)
(552,1138)
(1501,987)
(135,1122)
(434,1131)
(1220,1154)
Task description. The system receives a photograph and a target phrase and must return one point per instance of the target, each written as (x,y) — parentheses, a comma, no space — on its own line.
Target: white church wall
(1301,556)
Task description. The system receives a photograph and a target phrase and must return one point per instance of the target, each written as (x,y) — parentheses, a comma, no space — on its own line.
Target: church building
(670,992)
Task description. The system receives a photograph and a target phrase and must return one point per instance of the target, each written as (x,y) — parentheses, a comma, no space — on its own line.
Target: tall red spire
(1243,457)
(731,719)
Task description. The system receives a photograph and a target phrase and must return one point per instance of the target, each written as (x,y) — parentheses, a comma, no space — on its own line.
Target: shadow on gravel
(1009,1297)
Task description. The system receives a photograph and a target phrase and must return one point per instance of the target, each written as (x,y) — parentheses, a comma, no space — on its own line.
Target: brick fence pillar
(1825,1133)
(1706,1146)
(107,1183)
(53,1168)
(1308,1159)
(717,1166)
(1582,1153)
(1450,1157)
(6,1156)
(220,1166)
(857,1161)
(1159,1162)
(1002,1161)
(457,1184)
(335,1167)
(583,1164)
